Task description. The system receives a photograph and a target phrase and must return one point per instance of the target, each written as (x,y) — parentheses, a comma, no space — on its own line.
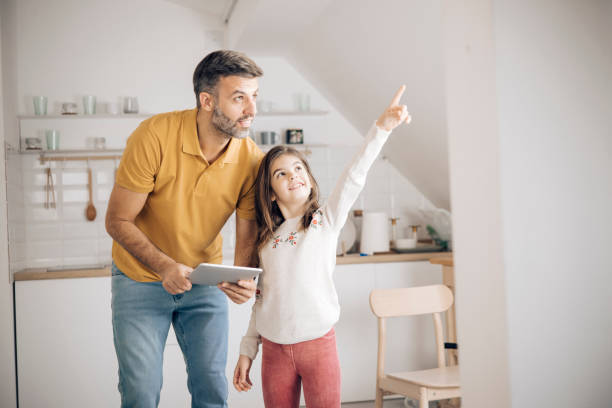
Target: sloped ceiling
(357,53)
(218,9)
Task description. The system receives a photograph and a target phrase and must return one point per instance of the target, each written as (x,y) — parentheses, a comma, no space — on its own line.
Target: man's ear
(207,101)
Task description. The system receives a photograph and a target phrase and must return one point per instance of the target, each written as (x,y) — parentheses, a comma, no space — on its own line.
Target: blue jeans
(142,314)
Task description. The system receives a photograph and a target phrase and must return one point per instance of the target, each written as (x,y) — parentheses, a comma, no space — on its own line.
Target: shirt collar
(191,144)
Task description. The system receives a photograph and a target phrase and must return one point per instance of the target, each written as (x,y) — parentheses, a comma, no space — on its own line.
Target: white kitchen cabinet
(356,331)
(66,356)
(65,352)
(411,342)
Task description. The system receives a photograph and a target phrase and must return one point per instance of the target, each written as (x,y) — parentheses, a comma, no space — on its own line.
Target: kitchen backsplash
(42,237)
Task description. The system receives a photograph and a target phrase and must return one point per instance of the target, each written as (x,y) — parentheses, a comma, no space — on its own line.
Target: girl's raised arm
(352,180)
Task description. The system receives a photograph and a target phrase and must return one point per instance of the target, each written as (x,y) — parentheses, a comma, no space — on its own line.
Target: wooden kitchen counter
(38,274)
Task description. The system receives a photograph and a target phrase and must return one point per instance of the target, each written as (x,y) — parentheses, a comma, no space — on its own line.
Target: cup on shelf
(302,102)
(130,104)
(274,138)
(112,108)
(33,143)
(264,137)
(53,139)
(69,108)
(99,143)
(40,105)
(89,105)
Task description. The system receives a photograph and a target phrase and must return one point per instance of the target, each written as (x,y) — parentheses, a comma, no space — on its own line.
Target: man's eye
(238,99)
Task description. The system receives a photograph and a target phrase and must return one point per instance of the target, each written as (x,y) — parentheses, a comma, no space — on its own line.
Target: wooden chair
(425,385)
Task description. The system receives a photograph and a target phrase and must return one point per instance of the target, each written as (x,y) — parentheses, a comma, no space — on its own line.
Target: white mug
(112,108)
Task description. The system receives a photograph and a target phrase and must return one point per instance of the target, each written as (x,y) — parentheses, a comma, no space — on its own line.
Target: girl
(297,306)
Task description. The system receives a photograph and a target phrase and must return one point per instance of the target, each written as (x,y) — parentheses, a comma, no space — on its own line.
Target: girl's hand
(242,382)
(395,114)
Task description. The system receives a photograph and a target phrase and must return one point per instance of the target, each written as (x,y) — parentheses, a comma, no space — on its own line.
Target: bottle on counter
(393,241)
(357,221)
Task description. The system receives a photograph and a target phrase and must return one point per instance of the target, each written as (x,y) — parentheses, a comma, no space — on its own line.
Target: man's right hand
(175,278)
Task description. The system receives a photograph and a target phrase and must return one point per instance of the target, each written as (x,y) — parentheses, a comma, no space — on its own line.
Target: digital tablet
(212,274)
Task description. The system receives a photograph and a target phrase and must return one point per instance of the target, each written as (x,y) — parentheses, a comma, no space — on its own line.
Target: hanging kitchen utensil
(90,211)
(49,190)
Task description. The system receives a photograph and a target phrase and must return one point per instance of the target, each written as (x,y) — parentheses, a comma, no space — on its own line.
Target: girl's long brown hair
(267,212)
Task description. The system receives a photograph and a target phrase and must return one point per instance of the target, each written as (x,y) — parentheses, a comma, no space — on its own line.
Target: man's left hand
(239,292)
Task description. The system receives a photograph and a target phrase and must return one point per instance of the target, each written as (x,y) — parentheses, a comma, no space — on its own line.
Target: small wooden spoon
(90,211)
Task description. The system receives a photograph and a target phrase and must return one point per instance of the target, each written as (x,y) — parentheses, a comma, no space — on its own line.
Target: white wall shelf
(293,113)
(70,151)
(147,115)
(95,116)
(106,151)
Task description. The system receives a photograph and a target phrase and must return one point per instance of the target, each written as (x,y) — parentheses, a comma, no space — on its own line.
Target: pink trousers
(314,363)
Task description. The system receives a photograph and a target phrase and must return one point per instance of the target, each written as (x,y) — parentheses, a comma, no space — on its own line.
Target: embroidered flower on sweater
(275,241)
(317,219)
(290,239)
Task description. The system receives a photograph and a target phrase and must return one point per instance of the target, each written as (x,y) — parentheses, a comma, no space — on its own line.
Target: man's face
(234,105)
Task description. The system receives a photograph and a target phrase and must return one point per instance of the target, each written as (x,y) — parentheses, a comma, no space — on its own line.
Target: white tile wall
(60,236)
(41,237)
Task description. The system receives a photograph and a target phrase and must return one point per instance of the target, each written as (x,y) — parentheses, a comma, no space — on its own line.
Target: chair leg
(423,400)
(378,403)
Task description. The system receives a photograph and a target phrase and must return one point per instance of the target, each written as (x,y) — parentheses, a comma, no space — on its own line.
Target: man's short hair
(220,64)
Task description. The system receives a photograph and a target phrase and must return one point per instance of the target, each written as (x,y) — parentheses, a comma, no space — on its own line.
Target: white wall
(110,49)
(475,199)
(554,70)
(530,99)
(43,237)
(358,53)
(137,58)
(7,345)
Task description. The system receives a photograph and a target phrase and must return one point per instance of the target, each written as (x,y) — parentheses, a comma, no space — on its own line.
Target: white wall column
(8,394)
(475,203)
(529,106)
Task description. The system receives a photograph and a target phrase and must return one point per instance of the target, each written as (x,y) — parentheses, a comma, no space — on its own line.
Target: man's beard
(227,126)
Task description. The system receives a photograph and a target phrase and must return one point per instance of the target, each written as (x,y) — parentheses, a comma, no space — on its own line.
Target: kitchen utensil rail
(44,158)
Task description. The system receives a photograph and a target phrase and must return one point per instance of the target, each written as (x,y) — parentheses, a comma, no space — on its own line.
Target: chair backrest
(433,300)
(410,301)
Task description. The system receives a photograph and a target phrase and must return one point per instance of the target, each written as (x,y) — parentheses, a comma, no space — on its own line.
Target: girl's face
(290,180)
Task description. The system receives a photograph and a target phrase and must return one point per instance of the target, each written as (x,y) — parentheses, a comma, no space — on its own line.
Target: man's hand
(242,382)
(240,292)
(175,278)
(395,113)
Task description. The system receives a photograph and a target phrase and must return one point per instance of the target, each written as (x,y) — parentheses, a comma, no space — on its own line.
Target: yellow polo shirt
(189,199)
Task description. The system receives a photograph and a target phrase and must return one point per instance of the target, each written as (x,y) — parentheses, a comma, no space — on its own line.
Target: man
(181,176)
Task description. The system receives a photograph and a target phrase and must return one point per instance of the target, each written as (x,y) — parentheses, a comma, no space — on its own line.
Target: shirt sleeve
(353,178)
(140,160)
(245,208)
(246,204)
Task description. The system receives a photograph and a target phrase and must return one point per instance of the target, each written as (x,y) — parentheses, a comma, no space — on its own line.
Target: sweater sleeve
(249,345)
(353,178)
